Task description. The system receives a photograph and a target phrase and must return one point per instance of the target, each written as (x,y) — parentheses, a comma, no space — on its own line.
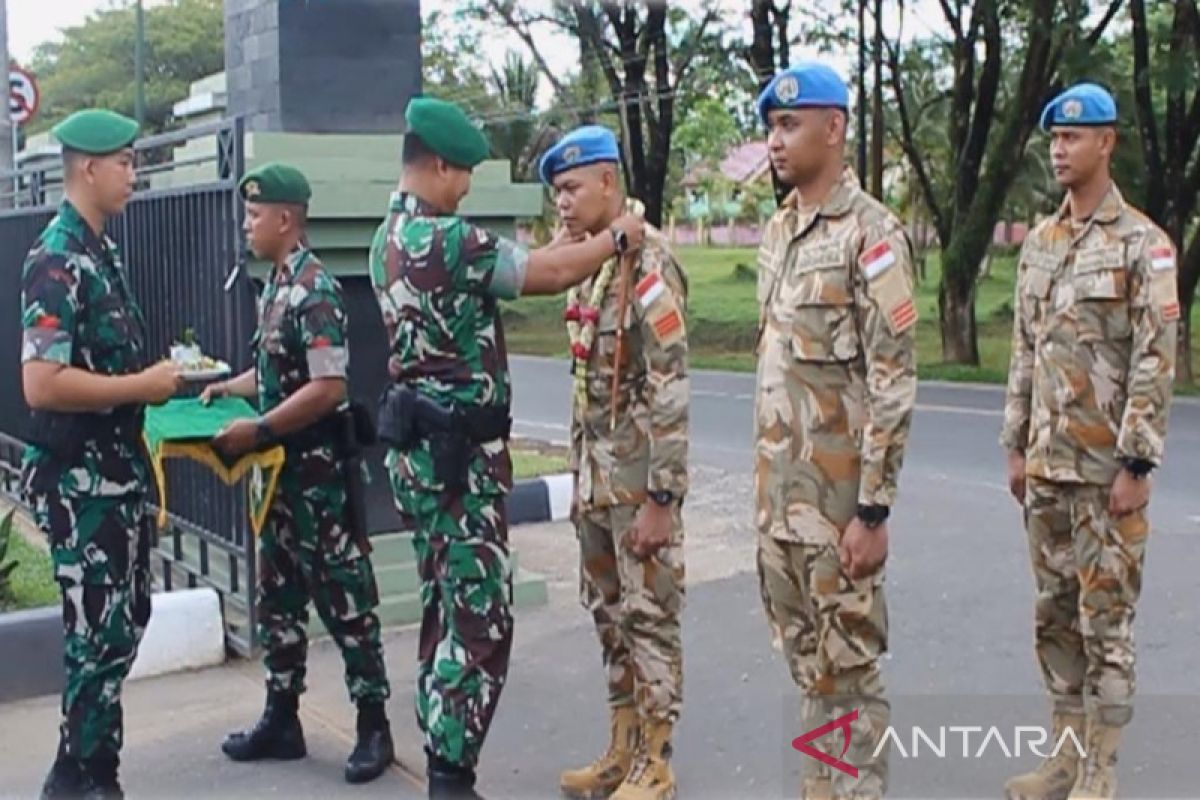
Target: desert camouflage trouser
(832,631)
(105,608)
(635,605)
(1088,569)
(306,552)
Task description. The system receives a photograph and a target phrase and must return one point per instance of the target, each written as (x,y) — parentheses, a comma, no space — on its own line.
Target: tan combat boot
(1053,779)
(651,777)
(605,774)
(1097,778)
(817,787)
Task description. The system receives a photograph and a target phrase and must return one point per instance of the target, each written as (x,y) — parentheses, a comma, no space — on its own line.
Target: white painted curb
(560,489)
(186,631)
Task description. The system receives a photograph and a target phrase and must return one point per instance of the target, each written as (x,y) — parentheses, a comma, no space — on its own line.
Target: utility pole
(139,66)
(7,129)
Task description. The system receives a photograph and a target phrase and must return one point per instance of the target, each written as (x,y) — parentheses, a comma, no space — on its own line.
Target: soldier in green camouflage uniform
(836,386)
(438,279)
(631,478)
(86,475)
(1084,422)
(307,549)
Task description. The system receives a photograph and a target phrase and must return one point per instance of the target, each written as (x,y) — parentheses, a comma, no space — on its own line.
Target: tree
(988,127)
(93,63)
(645,53)
(1167,104)
(513,127)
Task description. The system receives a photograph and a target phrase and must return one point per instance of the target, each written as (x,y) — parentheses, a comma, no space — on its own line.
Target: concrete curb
(545,499)
(185,632)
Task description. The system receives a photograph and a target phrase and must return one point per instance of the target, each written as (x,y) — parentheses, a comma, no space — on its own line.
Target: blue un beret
(1082,104)
(805,85)
(590,144)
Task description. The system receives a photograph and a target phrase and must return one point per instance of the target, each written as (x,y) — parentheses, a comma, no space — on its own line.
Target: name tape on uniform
(877,259)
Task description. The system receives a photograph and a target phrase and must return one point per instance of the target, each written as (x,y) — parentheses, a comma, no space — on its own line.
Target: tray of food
(193,363)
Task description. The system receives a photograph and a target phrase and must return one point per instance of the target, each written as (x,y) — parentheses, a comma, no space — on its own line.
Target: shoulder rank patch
(668,326)
(876,259)
(903,315)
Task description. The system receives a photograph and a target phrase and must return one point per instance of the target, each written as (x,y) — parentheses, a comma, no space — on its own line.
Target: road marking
(940,409)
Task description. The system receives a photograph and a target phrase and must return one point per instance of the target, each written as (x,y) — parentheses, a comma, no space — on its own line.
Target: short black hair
(415,150)
(70,158)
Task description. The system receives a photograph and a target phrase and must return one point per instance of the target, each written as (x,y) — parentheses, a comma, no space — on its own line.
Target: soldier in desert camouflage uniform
(308,549)
(438,279)
(835,390)
(86,475)
(1084,421)
(631,476)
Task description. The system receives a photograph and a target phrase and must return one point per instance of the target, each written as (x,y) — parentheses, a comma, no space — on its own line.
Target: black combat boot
(65,779)
(373,751)
(448,781)
(277,735)
(98,777)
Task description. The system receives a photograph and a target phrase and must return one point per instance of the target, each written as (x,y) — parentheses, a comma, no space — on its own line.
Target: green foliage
(7,525)
(93,65)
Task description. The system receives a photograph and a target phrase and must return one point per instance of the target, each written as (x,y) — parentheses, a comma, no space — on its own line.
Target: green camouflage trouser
(461,544)
(832,630)
(1088,569)
(635,605)
(101,552)
(307,552)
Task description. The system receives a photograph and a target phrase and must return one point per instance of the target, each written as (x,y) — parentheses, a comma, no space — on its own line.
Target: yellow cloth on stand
(185,429)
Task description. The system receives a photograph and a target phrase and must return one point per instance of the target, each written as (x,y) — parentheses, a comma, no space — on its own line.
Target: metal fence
(180,236)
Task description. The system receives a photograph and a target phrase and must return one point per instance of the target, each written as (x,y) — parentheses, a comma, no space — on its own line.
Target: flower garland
(581,327)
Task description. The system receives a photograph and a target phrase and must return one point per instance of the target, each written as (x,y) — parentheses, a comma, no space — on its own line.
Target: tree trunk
(877,106)
(1189,276)
(957,315)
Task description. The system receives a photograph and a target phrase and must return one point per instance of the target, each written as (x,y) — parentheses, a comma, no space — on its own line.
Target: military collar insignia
(788,89)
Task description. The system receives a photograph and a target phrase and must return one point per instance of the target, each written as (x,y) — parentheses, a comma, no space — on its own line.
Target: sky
(31,22)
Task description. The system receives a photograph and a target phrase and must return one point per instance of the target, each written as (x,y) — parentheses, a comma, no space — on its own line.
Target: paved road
(953,440)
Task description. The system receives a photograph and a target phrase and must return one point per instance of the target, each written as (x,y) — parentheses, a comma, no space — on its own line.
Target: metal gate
(180,235)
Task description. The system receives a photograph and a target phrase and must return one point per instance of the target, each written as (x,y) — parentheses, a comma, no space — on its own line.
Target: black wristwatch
(1138,467)
(662,498)
(620,240)
(872,516)
(263,436)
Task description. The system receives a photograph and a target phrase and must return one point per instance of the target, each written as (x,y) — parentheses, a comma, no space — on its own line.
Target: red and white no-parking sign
(23,95)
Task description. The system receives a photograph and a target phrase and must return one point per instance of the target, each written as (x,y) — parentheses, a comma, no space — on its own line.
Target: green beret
(445,129)
(275,183)
(96,131)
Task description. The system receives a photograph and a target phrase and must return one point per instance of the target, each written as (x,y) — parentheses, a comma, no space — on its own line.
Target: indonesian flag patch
(903,315)
(1161,259)
(876,259)
(649,289)
(1170,311)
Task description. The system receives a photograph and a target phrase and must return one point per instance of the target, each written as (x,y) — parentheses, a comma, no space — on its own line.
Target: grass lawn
(32,583)
(723,315)
(534,461)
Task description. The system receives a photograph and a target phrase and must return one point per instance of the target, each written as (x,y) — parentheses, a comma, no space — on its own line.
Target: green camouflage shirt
(77,310)
(1093,356)
(437,279)
(302,329)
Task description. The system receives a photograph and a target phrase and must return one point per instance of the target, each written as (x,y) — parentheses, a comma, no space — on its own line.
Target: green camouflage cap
(445,129)
(275,183)
(96,131)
